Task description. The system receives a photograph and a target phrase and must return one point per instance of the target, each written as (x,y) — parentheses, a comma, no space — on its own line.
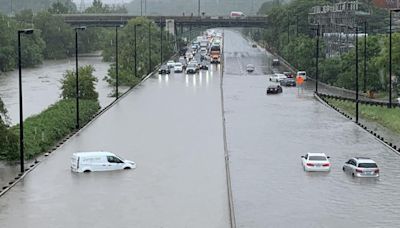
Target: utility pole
(357,101)
(150,67)
(288,28)
(365,56)
(141,7)
(161,42)
(198,8)
(316,61)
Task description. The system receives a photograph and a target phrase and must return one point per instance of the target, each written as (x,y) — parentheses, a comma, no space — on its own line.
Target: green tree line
(52,38)
(293,38)
(126,48)
(43,131)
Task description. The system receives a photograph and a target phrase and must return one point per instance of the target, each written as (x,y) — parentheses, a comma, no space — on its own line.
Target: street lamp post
(317,60)
(288,28)
(150,67)
(357,98)
(198,8)
(135,52)
(116,63)
(141,7)
(365,56)
(161,42)
(390,56)
(77,74)
(21,115)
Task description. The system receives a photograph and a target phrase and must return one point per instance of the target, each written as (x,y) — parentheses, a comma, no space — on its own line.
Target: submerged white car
(84,162)
(277,77)
(315,162)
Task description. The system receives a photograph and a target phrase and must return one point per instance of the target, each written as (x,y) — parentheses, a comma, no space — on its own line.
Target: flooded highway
(171,126)
(268,134)
(41,85)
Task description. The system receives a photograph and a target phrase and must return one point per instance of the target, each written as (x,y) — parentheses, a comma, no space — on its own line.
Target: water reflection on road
(172,130)
(268,134)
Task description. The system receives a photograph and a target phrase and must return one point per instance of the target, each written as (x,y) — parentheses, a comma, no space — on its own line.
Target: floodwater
(171,126)
(41,85)
(41,88)
(268,134)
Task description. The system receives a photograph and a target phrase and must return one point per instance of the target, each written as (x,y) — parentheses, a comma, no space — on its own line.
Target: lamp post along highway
(21,114)
(77,75)
(317,60)
(116,63)
(357,89)
(390,55)
(149,37)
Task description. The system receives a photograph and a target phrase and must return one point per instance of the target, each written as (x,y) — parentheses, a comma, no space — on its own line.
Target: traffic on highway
(294,160)
(220,136)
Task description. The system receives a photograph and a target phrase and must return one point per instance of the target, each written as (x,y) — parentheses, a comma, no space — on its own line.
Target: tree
(127,49)
(8,140)
(87,84)
(98,7)
(60,8)
(58,36)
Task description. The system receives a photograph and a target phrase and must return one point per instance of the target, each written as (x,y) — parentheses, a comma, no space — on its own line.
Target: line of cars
(356,166)
(286,79)
(191,67)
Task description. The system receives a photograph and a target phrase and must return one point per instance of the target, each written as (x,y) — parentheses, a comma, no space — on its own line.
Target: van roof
(93,153)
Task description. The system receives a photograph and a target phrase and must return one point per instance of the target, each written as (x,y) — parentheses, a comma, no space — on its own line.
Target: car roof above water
(364,160)
(93,154)
(316,154)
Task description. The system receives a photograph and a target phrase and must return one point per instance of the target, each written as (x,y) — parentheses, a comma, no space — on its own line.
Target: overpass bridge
(121,19)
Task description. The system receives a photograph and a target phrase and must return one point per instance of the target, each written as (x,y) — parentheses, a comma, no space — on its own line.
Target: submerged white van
(98,161)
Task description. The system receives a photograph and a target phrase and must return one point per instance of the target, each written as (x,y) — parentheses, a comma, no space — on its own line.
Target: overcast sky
(89,2)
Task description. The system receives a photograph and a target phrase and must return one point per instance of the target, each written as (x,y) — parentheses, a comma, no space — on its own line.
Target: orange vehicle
(215,53)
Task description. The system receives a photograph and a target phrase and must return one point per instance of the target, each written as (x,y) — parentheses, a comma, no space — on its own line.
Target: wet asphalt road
(171,126)
(268,134)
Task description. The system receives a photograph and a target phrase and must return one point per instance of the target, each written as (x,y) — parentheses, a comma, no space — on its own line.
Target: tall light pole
(365,56)
(161,42)
(317,60)
(77,74)
(116,62)
(134,29)
(390,56)
(288,28)
(141,7)
(21,114)
(198,8)
(357,101)
(149,36)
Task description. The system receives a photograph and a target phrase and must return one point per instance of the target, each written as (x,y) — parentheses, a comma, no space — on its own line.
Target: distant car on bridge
(237,14)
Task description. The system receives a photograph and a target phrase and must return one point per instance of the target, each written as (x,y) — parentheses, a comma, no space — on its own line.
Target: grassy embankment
(43,131)
(389,118)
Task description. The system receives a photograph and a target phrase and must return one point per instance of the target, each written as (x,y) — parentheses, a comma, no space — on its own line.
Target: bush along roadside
(388,118)
(43,131)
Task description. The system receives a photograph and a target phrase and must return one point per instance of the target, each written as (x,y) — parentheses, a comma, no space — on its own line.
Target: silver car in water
(361,167)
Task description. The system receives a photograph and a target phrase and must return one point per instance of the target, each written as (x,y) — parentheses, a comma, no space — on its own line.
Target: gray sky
(89,2)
